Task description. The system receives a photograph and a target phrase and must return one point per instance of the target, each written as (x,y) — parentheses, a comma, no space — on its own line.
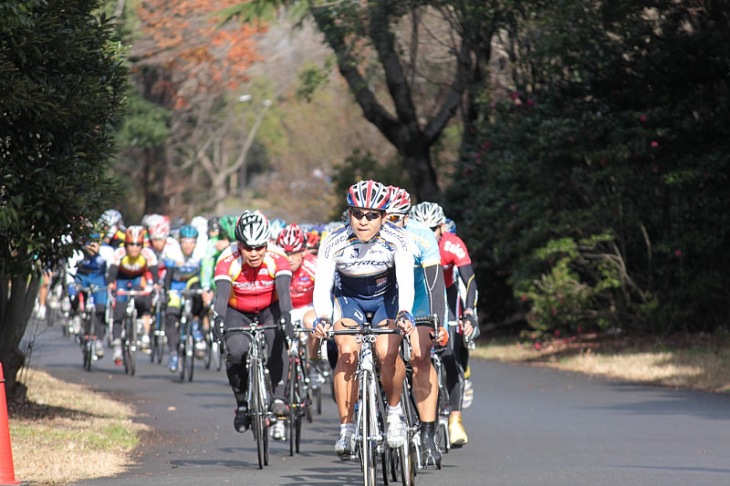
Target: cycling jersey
(364,270)
(302,282)
(170,256)
(426,253)
(453,254)
(253,288)
(131,268)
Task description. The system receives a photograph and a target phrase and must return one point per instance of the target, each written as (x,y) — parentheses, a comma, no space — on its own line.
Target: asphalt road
(528,426)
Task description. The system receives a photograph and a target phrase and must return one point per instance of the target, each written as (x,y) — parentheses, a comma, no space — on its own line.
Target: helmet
(450,225)
(134,234)
(368,194)
(313,239)
(199,223)
(111,217)
(431,214)
(253,229)
(399,201)
(158,226)
(228,227)
(214,224)
(276,226)
(291,239)
(188,231)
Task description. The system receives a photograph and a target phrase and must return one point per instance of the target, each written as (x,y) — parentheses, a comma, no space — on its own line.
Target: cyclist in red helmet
(357,270)
(303,266)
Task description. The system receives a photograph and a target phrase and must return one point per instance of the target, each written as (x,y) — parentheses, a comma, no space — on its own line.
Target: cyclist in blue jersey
(366,267)
(87,268)
(180,276)
(430,299)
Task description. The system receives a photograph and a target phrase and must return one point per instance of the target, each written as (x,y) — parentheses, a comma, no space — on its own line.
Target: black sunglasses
(370,216)
(254,248)
(134,244)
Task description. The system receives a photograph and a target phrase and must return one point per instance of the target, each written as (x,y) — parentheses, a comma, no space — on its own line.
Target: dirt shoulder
(699,362)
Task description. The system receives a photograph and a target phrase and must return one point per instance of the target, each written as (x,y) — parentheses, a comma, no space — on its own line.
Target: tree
(606,167)
(62,85)
(420,54)
(183,61)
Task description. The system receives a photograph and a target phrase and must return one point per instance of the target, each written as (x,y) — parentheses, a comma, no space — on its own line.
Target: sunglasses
(370,216)
(395,218)
(254,248)
(134,244)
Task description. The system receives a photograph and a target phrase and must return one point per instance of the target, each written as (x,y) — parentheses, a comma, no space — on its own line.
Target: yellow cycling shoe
(457,434)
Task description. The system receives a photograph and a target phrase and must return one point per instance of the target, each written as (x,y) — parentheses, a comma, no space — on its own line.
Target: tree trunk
(17,296)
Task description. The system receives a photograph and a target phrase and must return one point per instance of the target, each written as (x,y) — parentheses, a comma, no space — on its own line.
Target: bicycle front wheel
(258,412)
(369,430)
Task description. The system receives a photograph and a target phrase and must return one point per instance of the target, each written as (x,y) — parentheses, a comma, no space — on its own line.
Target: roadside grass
(66,432)
(698,362)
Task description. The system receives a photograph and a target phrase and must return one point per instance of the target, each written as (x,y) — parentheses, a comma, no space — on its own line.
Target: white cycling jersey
(365,270)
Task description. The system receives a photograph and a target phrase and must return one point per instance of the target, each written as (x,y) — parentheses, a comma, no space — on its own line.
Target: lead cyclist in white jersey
(366,267)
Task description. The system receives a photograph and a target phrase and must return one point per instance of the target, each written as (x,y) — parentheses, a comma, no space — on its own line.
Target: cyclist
(454,255)
(430,299)
(127,272)
(252,284)
(113,227)
(86,268)
(367,266)
(303,267)
(180,276)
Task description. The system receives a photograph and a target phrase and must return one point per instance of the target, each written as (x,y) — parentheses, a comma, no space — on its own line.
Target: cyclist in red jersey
(252,283)
(462,318)
(303,266)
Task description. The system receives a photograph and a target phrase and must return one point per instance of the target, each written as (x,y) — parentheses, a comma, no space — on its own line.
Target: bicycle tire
(208,358)
(257,410)
(87,350)
(369,424)
(407,454)
(291,396)
(190,355)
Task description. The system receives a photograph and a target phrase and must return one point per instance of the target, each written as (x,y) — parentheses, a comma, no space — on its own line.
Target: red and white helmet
(369,195)
(158,226)
(291,239)
(399,201)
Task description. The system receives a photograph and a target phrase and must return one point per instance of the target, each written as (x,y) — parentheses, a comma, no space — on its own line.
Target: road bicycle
(186,343)
(158,338)
(129,329)
(259,386)
(87,314)
(298,392)
(443,410)
(369,417)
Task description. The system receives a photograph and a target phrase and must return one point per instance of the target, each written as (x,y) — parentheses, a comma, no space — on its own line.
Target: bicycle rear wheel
(189,364)
(87,349)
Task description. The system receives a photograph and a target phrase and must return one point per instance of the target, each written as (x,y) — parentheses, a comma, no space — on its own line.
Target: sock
(349,427)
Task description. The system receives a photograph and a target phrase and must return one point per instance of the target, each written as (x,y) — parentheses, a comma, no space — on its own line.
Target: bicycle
(259,386)
(298,393)
(158,340)
(370,407)
(186,346)
(443,410)
(129,329)
(87,313)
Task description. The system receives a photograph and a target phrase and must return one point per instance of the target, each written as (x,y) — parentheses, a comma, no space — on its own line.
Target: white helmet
(431,214)
(253,229)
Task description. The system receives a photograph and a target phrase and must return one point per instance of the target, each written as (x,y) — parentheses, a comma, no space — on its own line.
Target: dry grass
(66,432)
(696,362)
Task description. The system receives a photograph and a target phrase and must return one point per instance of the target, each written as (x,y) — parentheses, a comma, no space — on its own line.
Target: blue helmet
(188,231)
